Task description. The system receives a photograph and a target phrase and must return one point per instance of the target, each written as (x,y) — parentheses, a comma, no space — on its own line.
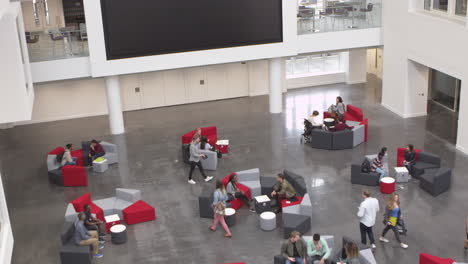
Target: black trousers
(200,167)
(365,230)
(243,198)
(409,167)
(395,231)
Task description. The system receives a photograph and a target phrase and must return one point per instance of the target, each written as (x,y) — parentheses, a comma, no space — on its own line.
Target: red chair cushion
(285,204)
(79,202)
(237,203)
(209,132)
(139,212)
(353,113)
(401,155)
(428,259)
(56,151)
(78,154)
(73,175)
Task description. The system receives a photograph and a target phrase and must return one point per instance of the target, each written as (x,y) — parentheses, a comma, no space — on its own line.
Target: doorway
(443,105)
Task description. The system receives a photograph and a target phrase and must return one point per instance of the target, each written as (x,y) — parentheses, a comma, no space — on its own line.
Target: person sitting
(377,164)
(352,254)
(234,192)
(294,249)
(338,109)
(83,237)
(341,125)
(313,120)
(282,190)
(95,151)
(92,223)
(410,158)
(204,145)
(67,158)
(318,249)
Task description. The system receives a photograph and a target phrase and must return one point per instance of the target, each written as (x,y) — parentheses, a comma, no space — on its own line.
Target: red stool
(387,185)
(139,212)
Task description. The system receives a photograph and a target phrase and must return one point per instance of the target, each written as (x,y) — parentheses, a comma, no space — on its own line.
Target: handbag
(219,208)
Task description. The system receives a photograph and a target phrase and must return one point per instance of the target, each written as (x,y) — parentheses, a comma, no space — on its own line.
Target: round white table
(268,221)
(230,216)
(118,234)
(328,122)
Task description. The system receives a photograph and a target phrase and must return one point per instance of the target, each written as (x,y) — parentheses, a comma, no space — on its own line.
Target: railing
(57,44)
(337,16)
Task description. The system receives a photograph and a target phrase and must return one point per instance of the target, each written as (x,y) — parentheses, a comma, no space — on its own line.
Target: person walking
(391,217)
(195,156)
(219,205)
(367,213)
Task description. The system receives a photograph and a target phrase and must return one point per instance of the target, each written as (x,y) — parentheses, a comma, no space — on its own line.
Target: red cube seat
(210,132)
(139,212)
(74,175)
(425,258)
(80,202)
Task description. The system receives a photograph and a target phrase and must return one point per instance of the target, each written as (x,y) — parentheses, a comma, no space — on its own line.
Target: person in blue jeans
(377,164)
(294,249)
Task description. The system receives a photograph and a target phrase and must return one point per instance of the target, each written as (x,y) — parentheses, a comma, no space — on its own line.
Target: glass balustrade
(56,44)
(337,16)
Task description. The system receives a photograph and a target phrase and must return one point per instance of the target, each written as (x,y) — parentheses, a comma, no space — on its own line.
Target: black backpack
(365,167)
(60,157)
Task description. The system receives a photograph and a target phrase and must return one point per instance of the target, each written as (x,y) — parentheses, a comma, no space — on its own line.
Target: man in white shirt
(367,213)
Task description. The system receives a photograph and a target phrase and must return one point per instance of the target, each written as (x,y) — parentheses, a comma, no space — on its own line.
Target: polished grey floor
(150,161)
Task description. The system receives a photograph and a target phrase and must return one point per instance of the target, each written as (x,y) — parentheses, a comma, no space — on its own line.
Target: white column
(357,66)
(114,105)
(276,83)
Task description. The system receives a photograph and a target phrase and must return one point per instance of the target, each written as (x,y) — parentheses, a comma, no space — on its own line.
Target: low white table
(230,216)
(100,166)
(402,174)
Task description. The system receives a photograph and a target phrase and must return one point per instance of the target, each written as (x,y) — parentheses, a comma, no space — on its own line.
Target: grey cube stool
(230,216)
(118,234)
(100,166)
(267,221)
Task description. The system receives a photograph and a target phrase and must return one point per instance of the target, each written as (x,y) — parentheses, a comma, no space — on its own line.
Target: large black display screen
(152,27)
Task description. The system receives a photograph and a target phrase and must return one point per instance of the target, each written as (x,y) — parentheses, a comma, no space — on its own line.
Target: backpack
(59,157)
(366,167)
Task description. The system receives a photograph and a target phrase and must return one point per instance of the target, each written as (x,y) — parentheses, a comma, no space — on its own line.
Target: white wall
(56,70)
(101,67)
(309,81)
(355,65)
(6,234)
(427,40)
(67,99)
(16,86)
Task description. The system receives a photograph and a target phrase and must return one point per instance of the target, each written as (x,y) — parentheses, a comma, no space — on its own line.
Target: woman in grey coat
(338,109)
(195,156)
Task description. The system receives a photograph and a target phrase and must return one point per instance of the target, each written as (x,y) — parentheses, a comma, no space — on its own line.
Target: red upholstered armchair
(210,132)
(354,114)
(80,202)
(401,155)
(428,259)
(237,203)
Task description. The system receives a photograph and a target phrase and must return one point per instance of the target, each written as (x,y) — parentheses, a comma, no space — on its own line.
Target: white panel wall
(86,97)
(357,66)
(6,235)
(16,87)
(259,83)
(56,70)
(101,67)
(431,41)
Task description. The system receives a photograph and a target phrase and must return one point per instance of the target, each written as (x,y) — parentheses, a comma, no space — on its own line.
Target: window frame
(449,13)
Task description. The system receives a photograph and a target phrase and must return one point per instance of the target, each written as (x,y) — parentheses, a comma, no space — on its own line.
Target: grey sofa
(251,179)
(211,163)
(345,139)
(279,259)
(205,200)
(426,160)
(436,181)
(267,184)
(111,155)
(70,253)
(363,178)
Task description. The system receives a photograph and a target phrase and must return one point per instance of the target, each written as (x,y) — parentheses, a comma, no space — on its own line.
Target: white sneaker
(403,245)
(373,246)
(208,178)
(383,239)
(191,182)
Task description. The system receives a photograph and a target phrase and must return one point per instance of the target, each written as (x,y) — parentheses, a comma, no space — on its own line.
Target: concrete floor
(150,161)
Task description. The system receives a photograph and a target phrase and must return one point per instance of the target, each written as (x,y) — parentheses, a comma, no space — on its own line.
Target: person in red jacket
(340,126)
(95,151)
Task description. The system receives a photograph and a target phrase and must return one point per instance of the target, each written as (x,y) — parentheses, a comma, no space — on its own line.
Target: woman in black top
(410,158)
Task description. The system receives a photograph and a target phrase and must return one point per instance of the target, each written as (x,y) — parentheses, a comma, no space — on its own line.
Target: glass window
(427,4)
(312,65)
(441,5)
(460,7)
